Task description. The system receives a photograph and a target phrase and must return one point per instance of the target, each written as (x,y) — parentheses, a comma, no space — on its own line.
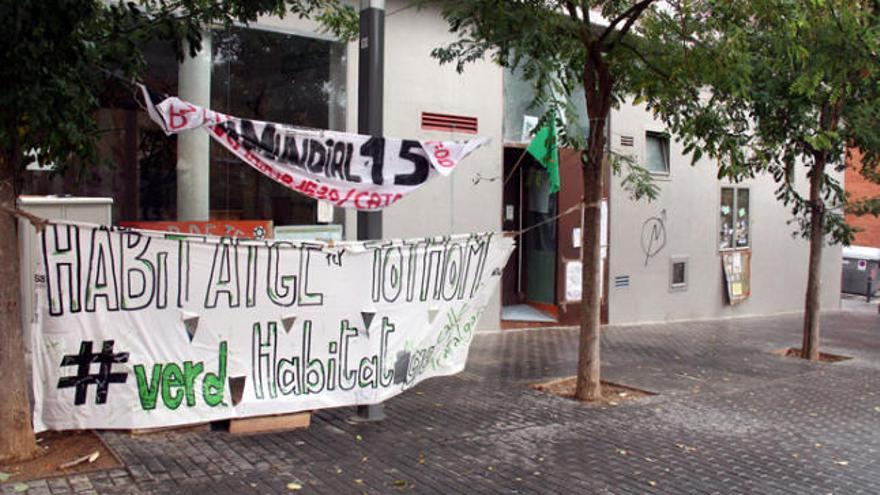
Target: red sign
(244,229)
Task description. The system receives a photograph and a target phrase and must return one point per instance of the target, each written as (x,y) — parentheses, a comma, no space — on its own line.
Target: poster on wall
(347,170)
(144,329)
(737,275)
(324,233)
(573,284)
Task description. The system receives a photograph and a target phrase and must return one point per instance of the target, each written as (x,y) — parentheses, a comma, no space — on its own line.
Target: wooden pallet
(199,427)
(244,426)
(266,424)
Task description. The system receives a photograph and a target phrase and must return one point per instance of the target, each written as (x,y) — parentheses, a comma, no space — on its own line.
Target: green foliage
(637,180)
(543,46)
(772,87)
(58,55)
(559,46)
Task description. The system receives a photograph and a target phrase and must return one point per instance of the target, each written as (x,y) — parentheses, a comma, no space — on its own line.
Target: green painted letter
(212,387)
(190,372)
(148,391)
(172,380)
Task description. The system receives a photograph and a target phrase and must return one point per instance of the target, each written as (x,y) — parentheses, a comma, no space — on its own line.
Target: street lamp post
(370,80)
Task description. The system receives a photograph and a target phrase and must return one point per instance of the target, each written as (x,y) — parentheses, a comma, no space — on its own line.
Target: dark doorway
(529,283)
(535,285)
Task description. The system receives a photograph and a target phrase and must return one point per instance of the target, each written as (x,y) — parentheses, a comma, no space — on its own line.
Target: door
(530,274)
(539,242)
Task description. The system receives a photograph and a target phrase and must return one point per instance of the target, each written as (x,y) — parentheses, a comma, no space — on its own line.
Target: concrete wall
(415,82)
(690,196)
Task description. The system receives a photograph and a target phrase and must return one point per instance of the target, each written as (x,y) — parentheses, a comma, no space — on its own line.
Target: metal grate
(627,141)
(621,281)
(452,123)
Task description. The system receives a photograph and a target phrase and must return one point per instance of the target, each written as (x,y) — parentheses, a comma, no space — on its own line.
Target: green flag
(543,148)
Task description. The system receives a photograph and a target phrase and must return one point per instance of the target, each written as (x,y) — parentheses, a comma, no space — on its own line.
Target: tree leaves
(783,85)
(637,181)
(58,56)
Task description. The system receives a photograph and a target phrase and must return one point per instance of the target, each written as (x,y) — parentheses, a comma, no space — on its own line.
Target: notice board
(736,266)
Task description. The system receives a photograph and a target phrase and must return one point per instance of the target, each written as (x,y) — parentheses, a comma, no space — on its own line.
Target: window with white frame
(734,232)
(657,152)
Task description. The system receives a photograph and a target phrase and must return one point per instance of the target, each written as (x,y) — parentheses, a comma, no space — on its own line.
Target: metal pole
(370,81)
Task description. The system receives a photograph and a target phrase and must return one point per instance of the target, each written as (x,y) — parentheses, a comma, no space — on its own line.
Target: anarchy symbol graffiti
(654,235)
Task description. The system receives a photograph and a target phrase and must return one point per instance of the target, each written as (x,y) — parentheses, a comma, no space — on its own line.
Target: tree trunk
(16,431)
(597,92)
(810,346)
(589,371)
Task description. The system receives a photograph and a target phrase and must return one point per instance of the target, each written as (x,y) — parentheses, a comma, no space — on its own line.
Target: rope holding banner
(38,222)
(575,207)
(515,166)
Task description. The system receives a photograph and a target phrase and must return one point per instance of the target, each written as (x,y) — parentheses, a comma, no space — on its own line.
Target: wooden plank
(198,427)
(266,424)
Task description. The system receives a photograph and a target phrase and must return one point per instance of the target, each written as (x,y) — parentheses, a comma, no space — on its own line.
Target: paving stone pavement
(729,417)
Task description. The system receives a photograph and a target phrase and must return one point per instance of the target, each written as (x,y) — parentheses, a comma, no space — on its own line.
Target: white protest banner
(348,170)
(147,329)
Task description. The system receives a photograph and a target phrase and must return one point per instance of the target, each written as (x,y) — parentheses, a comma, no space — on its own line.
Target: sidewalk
(729,417)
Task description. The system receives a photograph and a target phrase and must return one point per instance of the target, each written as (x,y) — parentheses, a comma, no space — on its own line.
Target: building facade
(664,260)
(699,220)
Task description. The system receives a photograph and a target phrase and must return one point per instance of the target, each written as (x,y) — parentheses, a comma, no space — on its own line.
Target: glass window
(519,95)
(742,218)
(157,153)
(678,269)
(735,215)
(255,74)
(270,76)
(657,153)
(678,276)
(136,163)
(726,234)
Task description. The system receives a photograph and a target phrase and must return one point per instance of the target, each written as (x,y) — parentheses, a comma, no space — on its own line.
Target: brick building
(859,187)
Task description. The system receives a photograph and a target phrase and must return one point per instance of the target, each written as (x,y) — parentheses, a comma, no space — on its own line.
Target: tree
(560,45)
(57,58)
(769,87)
